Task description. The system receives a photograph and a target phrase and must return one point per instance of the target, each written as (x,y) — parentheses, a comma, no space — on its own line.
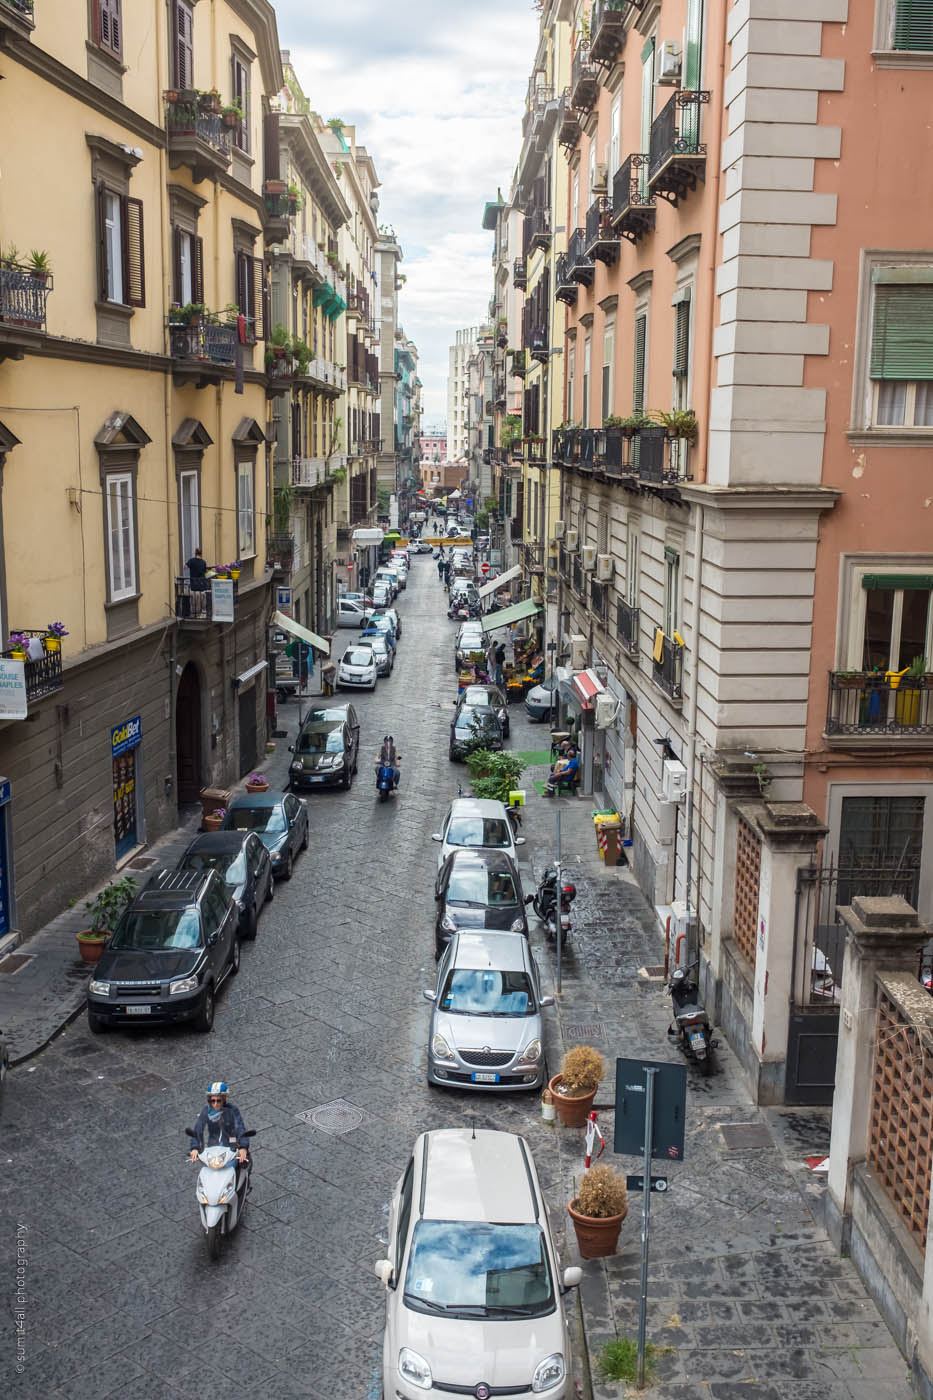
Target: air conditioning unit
(559,529)
(605,567)
(669,62)
(607,711)
(601,178)
(577,651)
(572,538)
(588,556)
(673,781)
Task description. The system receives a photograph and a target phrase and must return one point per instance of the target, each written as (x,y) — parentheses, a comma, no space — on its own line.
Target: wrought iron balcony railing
(632,201)
(599,599)
(668,671)
(579,265)
(23,294)
(601,240)
(196,137)
(538,346)
(519,274)
(43,674)
(206,341)
(676,155)
(568,127)
(195,605)
(607,34)
(308,472)
(565,286)
(517,364)
(584,80)
(627,627)
(537,229)
(280,550)
(17,17)
(866,704)
(612,457)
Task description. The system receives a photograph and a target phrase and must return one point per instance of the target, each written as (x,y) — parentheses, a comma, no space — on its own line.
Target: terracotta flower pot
(91,945)
(571,1110)
(597,1236)
(212,823)
(257,787)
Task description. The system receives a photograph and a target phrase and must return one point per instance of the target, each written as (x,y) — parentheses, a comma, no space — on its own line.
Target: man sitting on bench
(564,773)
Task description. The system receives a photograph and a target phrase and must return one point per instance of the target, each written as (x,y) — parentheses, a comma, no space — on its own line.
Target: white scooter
(221,1195)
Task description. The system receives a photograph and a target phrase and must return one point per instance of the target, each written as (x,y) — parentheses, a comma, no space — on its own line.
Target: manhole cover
(736,1135)
(142,1083)
(656,972)
(585,1030)
(334,1118)
(13,962)
(142,863)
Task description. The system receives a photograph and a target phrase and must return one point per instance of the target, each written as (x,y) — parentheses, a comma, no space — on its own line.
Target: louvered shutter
(913,24)
(270,145)
(134,285)
(177,236)
(259,298)
(902,328)
(197,269)
(102,241)
(682,339)
(184,45)
(638,375)
(110,26)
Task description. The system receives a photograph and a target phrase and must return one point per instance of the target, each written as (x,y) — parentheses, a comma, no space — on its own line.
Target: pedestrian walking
(500,663)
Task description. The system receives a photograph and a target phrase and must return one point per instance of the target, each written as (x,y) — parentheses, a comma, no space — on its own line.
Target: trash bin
(213,798)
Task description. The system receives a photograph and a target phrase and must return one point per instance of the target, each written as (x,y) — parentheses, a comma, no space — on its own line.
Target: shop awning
(288,624)
(587,686)
(367,536)
(506,616)
(246,676)
(509,574)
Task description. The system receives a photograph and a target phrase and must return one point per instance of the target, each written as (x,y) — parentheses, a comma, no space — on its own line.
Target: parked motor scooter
(691,1022)
(222,1191)
(544,902)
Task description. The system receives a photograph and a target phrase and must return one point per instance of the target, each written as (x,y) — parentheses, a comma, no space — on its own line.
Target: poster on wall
(13,703)
(124,744)
(222,599)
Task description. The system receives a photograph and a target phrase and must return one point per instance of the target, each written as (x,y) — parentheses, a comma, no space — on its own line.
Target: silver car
(469,639)
(383,653)
(486,1030)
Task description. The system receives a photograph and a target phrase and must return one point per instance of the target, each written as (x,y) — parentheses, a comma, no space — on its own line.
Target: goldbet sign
(126,736)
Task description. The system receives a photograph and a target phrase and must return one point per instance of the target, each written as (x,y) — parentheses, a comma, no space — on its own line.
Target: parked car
(424,547)
(469,639)
(4,1065)
(363,598)
(383,594)
(486,1029)
(357,669)
(244,865)
(541,700)
(479,823)
(279,819)
(326,750)
(477,889)
(350,613)
(472,1276)
(379,624)
(382,650)
(463,590)
(473,727)
(172,949)
(393,616)
(492,696)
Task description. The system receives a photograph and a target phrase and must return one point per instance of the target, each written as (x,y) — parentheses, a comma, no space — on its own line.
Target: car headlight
(448,925)
(531,1052)
(184,984)
(414,1369)
(518,925)
(549,1372)
(99,989)
(440,1049)
(297,766)
(337,762)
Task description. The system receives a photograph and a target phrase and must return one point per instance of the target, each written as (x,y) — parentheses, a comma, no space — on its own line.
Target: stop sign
(485,568)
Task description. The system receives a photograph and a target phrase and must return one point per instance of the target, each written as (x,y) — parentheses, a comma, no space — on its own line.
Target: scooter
(544,902)
(385,781)
(691,1022)
(222,1191)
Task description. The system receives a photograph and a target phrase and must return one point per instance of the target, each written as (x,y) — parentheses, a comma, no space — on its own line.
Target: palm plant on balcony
(680,423)
(39,264)
(279,344)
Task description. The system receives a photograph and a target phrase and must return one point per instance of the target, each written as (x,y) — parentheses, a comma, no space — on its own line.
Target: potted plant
(633,424)
(17,646)
(39,264)
(10,256)
(680,423)
(234,569)
(53,636)
(257,782)
(597,1211)
(209,101)
(105,910)
(232,114)
(280,341)
(333,259)
(214,820)
(574,1088)
(294,199)
(273,187)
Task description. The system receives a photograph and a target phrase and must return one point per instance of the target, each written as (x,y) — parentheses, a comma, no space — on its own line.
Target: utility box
(673,781)
(214,798)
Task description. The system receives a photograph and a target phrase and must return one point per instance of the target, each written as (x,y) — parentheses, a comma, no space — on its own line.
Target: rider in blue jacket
(219,1122)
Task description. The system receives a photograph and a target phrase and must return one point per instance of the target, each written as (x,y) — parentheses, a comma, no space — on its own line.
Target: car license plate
(696,1039)
(485,1078)
(317,780)
(139,1011)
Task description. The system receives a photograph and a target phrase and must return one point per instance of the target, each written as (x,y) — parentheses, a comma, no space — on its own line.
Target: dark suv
(170,952)
(326,749)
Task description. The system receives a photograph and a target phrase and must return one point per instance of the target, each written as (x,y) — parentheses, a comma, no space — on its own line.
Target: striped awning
(587,686)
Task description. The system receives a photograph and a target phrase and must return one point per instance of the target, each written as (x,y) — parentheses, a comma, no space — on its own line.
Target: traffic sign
(485,567)
(670,1101)
(637,1183)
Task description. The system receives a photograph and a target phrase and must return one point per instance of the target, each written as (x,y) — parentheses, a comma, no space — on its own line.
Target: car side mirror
(211,939)
(383,1269)
(429,994)
(573,1276)
(520,840)
(545,1001)
(436,836)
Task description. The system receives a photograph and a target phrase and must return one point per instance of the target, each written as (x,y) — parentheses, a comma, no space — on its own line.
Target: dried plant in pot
(574,1087)
(597,1211)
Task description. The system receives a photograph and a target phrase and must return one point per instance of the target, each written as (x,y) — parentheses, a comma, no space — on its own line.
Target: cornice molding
(813,498)
(65,78)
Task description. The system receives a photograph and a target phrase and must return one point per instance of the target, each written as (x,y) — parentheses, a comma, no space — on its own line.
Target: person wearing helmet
(388,758)
(220,1122)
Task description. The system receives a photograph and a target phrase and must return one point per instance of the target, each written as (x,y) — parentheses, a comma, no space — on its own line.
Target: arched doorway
(188,735)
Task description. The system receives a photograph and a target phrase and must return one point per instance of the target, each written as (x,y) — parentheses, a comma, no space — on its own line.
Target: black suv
(326,749)
(173,947)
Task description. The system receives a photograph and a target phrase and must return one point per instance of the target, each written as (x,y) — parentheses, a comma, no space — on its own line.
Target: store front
(128,808)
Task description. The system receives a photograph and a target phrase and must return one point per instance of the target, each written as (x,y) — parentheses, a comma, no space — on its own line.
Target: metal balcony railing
(584,80)
(213,343)
(538,342)
(568,124)
(632,201)
(23,294)
(627,626)
(865,703)
(308,472)
(565,286)
(519,274)
(579,265)
(517,364)
(537,229)
(43,674)
(668,672)
(576,577)
(23,7)
(185,117)
(676,155)
(607,33)
(192,604)
(601,240)
(611,451)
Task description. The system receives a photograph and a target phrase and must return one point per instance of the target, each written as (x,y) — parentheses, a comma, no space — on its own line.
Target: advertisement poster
(12,689)
(222,599)
(124,742)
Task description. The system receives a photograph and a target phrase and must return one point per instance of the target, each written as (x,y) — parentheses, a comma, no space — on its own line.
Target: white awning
(288,624)
(454,496)
(509,574)
(369,536)
(506,616)
(246,676)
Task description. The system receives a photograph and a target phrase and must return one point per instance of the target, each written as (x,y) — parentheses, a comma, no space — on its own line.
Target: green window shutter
(902,330)
(693,47)
(638,376)
(913,24)
(682,339)
(922,582)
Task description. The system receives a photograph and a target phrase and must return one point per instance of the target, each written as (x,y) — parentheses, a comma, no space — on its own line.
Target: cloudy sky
(436,91)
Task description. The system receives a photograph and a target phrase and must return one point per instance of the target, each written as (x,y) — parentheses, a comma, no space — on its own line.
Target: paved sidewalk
(747,1297)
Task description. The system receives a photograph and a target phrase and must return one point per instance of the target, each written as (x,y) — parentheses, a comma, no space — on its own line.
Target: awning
(509,574)
(506,616)
(288,624)
(454,496)
(246,676)
(367,536)
(587,686)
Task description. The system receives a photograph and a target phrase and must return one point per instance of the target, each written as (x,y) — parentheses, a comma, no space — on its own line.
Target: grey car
(486,1030)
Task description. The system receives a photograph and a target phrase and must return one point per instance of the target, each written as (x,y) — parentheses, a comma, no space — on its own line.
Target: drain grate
(585,1030)
(142,863)
(15,962)
(334,1118)
(739,1135)
(656,972)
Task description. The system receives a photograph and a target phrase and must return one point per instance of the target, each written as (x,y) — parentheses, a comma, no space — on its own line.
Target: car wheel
(95,1024)
(289,864)
(235,956)
(205,1017)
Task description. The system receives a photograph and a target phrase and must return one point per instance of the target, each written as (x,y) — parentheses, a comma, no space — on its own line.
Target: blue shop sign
(4,791)
(126,736)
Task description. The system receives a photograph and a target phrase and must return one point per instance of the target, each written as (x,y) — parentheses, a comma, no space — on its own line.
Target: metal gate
(816,983)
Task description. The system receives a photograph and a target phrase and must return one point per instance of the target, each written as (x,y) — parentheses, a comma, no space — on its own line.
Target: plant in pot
(17,646)
(280,341)
(232,114)
(907,704)
(53,636)
(105,910)
(39,264)
(598,1209)
(574,1087)
(294,199)
(680,423)
(257,782)
(214,820)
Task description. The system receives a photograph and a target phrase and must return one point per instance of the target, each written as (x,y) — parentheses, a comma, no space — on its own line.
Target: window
(121,259)
(631,562)
(591,177)
(571,371)
(897,620)
(647,108)
(188,252)
(189,513)
(108,26)
(121,541)
(681,364)
(585,408)
(183,46)
(903,27)
(671,591)
(615,128)
(609,336)
(251,292)
(246,514)
(575,201)
(901,355)
(112,266)
(240,86)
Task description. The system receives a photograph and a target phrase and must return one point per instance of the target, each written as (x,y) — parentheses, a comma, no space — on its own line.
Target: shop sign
(13,704)
(222,599)
(283,598)
(126,736)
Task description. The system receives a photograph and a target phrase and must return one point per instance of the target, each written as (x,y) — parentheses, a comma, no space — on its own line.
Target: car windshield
(269,819)
(150,930)
(321,741)
(230,865)
(476,695)
(481,887)
(482,992)
(376,642)
(473,1269)
(360,656)
(478,831)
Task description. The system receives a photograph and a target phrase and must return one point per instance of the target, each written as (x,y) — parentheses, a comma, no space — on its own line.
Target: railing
(519,274)
(308,472)
(675,131)
(583,78)
(25,7)
(280,549)
(537,229)
(599,222)
(305,249)
(194,604)
(576,577)
(536,449)
(538,342)
(23,295)
(610,451)
(628,621)
(668,672)
(185,117)
(599,599)
(579,265)
(606,29)
(630,193)
(586,448)
(865,703)
(282,369)
(517,364)
(43,674)
(212,342)
(568,128)
(649,446)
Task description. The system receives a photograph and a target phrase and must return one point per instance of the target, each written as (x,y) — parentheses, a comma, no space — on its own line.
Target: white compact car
(357,669)
(350,613)
(477,823)
(474,1288)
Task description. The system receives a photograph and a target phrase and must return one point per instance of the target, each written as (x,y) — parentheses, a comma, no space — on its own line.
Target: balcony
(280,551)
(532,557)
(276,216)
(653,458)
(667,673)
(601,241)
(565,288)
(23,294)
(17,19)
(584,80)
(569,128)
(866,706)
(281,373)
(43,673)
(308,260)
(676,155)
(519,274)
(632,201)
(538,229)
(585,455)
(536,449)
(627,628)
(203,351)
(611,452)
(579,265)
(564,446)
(308,472)
(517,364)
(195,607)
(607,33)
(196,137)
(538,346)
(599,600)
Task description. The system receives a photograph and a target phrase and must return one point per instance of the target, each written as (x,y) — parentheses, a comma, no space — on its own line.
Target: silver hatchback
(486,1030)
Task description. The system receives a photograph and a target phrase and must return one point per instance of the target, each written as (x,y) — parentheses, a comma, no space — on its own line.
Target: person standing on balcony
(197,575)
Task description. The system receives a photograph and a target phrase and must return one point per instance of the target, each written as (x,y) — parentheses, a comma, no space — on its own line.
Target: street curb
(70,1018)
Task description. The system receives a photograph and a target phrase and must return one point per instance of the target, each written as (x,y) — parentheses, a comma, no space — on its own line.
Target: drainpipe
(704,376)
(698,523)
(170,489)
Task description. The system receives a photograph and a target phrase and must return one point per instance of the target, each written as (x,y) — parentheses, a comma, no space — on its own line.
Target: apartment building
(404,414)
(134,427)
(459,358)
(390,473)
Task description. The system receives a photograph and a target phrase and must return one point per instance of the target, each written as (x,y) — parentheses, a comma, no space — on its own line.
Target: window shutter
(109,26)
(134,252)
(638,376)
(184,45)
(197,269)
(682,339)
(177,236)
(913,24)
(902,329)
(259,298)
(102,242)
(270,145)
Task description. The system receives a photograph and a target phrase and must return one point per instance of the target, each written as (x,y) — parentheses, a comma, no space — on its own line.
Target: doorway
(247,715)
(188,735)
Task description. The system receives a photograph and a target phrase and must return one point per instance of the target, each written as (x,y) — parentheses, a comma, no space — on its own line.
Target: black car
(474,727)
(244,865)
(477,889)
(482,693)
(279,819)
(174,946)
(327,749)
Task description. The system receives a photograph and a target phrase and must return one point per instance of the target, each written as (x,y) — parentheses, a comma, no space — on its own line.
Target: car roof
(476,1174)
(257,799)
(477,807)
(329,712)
(479,950)
(172,889)
(321,726)
(493,858)
(218,841)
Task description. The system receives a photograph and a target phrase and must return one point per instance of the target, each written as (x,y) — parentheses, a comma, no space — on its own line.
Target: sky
(436,90)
